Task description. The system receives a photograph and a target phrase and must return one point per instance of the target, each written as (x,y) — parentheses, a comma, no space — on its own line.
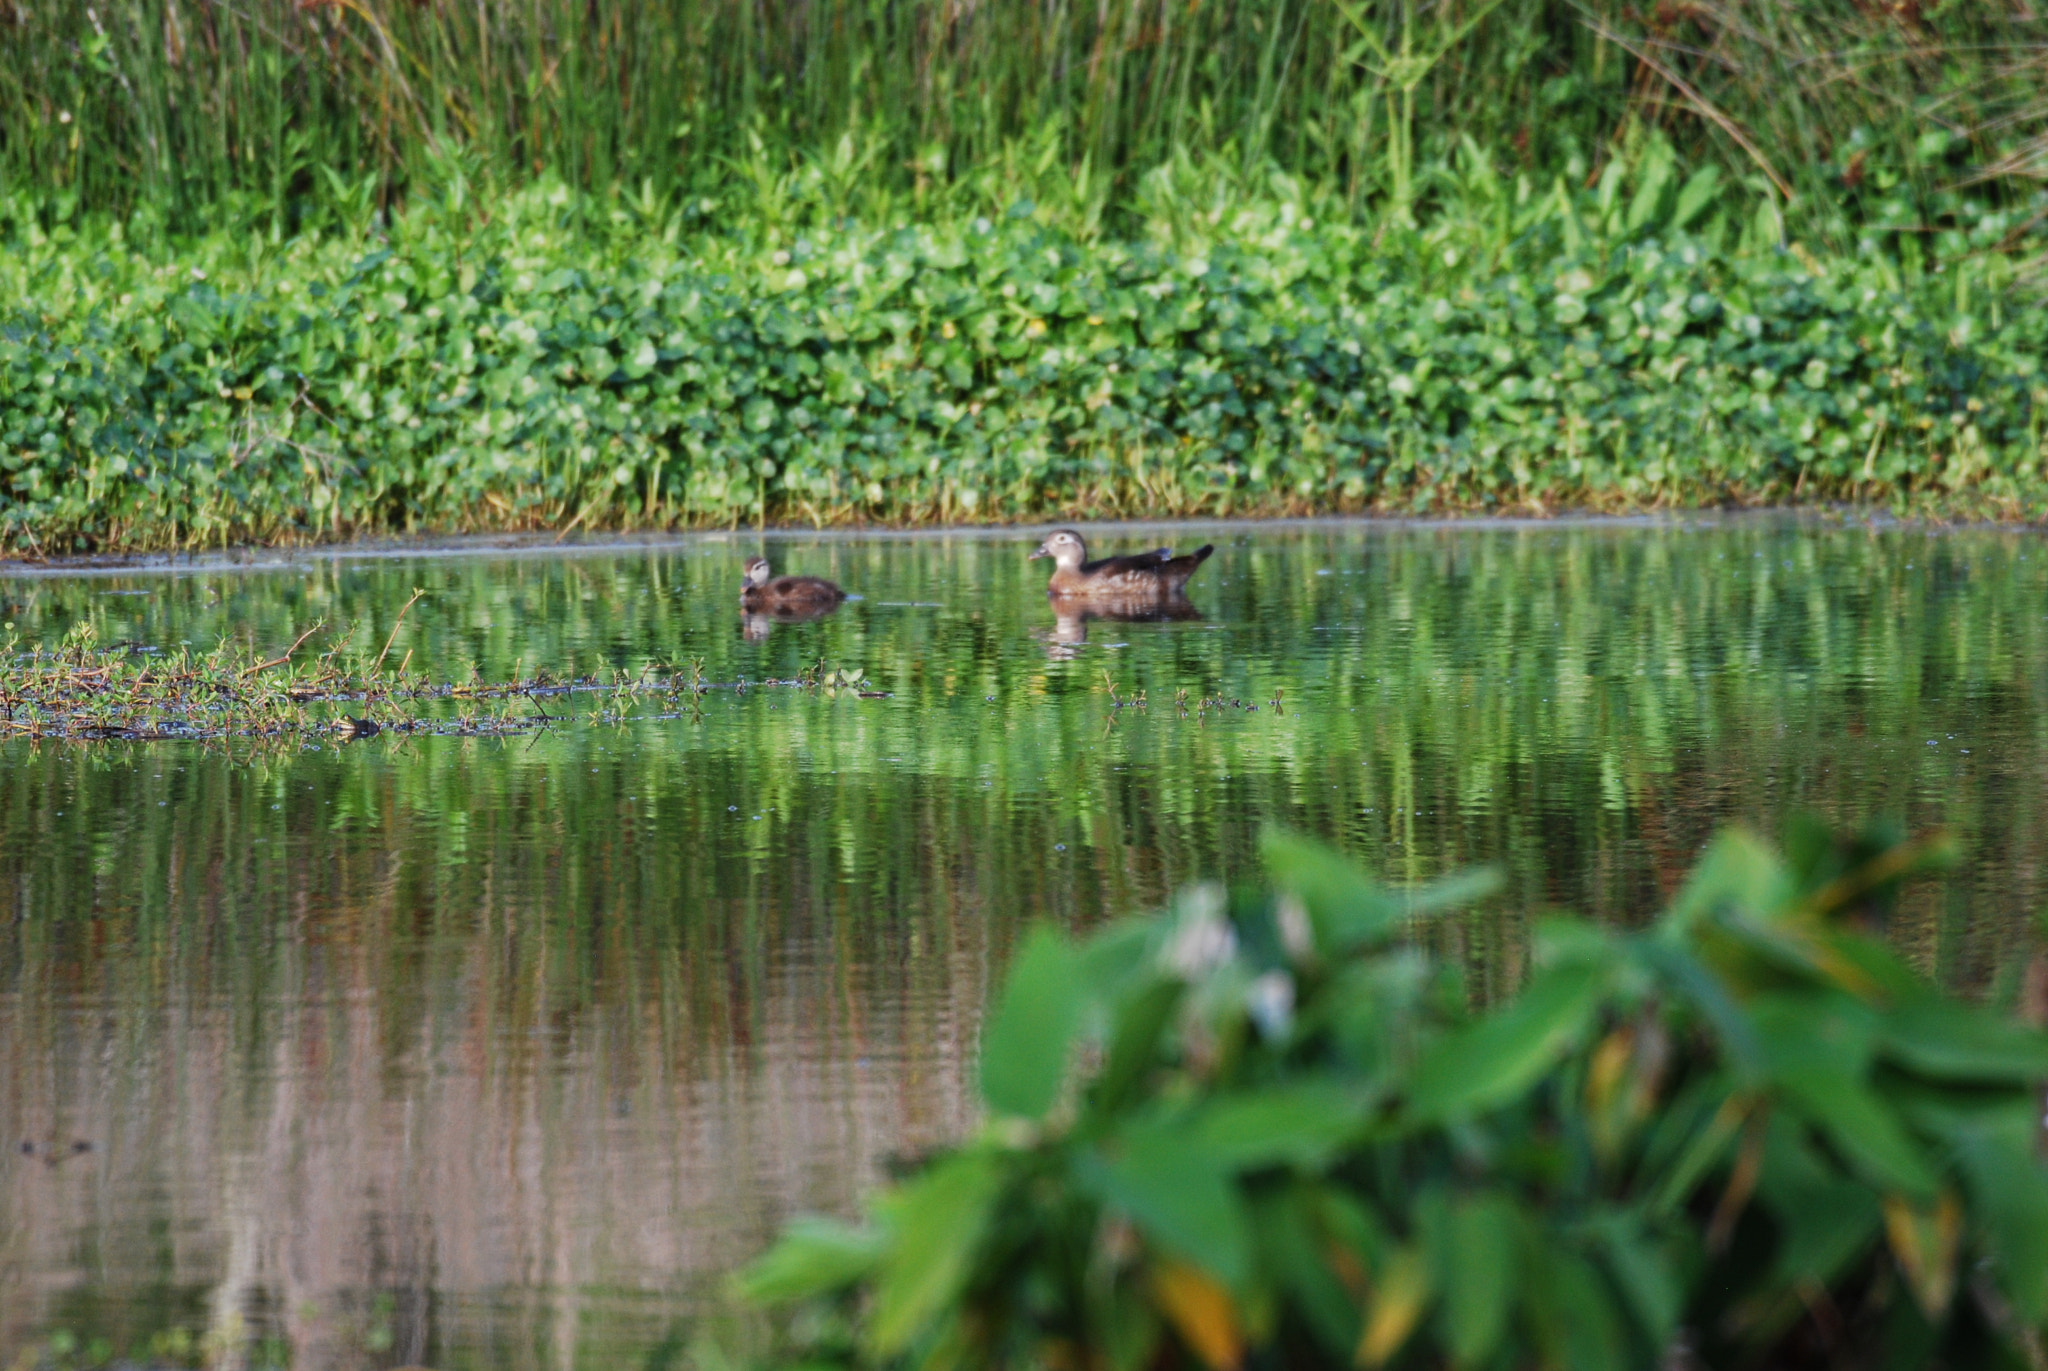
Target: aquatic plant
(534,371)
(1266,1128)
(79,693)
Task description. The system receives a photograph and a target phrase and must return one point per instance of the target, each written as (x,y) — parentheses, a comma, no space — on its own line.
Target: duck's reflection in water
(757,624)
(1070,618)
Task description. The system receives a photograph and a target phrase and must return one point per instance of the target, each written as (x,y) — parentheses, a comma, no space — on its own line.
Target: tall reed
(187,106)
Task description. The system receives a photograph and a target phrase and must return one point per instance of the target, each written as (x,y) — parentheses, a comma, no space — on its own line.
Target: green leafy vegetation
(291,271)
(1266,1127)
(1609,349)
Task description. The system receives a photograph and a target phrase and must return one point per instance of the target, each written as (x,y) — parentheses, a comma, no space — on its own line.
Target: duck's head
(757,571)
(1065,548)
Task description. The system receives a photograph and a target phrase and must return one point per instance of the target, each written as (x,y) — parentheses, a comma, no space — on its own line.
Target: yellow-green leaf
(1201,1311)
(1926,1237)
(1400,1297)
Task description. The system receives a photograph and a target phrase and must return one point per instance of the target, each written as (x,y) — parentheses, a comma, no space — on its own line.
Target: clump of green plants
(1264,1128)
(81,692)
(1615,348)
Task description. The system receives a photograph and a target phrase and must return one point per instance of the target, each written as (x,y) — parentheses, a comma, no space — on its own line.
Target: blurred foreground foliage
(1260,1129)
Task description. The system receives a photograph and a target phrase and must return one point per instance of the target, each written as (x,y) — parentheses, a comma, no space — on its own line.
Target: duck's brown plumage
(766,592)
(1157,574)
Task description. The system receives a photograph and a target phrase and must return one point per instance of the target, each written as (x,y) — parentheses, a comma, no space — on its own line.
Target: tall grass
(1835,110)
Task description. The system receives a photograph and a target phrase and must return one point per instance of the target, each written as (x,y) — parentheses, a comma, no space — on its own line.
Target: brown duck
(769,593)
(1157,574)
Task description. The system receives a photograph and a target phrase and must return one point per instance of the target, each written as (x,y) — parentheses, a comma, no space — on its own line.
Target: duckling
(761,592)
(1156,574)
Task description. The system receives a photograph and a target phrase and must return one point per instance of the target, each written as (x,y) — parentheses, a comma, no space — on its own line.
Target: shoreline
(601,542)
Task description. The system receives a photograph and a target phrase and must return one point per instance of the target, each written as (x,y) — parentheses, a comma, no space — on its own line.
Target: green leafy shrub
(539,371)
(1260,1129)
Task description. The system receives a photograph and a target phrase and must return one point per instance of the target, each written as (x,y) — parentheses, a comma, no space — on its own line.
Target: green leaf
(1644,1274)
(1821,1031)
(813,1256)
(935,1224)
(1455,891)
(1345,907)
(1576,1313)
(1825,1218)
(1649,190)
(1134,1041)
(1292,1253)
(1024,1050)
(1697,193)
(1738,871)
(2008,1188)
(642,360)
(1177,1192)
(1687,975)
(1697,1129)
(1112,956)
(1818,1046)
(1300,1124)
(1955,1042)
(1477,1274)
(1499,1057)
(1862,1128)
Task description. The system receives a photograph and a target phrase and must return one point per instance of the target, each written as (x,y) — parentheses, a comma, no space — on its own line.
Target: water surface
(497,1052)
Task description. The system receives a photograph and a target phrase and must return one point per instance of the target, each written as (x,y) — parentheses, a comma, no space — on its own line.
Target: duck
(764,591)
(1157,574)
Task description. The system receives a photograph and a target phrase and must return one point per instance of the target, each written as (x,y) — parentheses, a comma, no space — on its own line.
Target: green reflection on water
(497,1051)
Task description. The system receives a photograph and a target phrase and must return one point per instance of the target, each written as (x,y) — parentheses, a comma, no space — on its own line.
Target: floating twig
(285,660)
(417,594)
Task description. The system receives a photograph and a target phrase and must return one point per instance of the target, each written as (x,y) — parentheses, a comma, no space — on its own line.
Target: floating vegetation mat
(85,693)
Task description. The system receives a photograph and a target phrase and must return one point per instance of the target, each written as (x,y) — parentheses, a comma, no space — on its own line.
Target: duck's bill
(1040,553)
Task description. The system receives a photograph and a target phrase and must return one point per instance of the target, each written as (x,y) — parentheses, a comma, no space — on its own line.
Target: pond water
(498,1052)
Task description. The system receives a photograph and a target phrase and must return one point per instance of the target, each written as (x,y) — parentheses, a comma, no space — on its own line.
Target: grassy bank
(558,361)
